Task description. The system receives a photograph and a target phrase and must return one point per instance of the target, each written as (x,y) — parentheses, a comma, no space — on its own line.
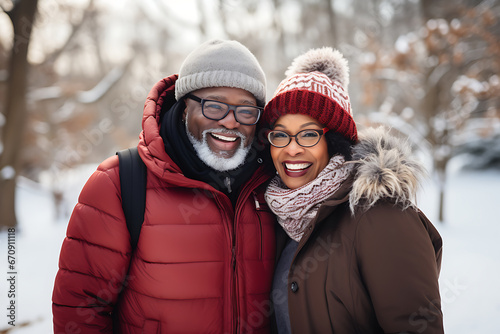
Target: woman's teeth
(297,166)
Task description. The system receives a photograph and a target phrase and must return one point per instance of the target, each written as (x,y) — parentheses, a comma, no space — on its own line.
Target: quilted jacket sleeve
(94,257)
(399,255)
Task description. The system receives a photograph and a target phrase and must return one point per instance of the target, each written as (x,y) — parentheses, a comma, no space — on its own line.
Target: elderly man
(205,255)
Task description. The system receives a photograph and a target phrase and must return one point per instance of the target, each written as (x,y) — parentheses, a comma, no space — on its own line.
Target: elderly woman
(356,254)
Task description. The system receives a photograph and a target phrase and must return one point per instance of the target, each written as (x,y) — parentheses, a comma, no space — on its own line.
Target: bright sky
(118,23)
(148,21)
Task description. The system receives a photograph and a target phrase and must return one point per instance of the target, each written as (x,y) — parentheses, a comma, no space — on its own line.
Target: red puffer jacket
(200,266)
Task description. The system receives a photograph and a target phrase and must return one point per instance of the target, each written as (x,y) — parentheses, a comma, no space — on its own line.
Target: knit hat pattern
(219,63)
(316,85)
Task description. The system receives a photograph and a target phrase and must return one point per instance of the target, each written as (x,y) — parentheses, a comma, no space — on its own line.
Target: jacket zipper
(249,189)
(235,292)
(235,274)
(257,208)
(233,281)
(231,299)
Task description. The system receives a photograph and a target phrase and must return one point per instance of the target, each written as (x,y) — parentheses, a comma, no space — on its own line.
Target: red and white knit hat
(316,85)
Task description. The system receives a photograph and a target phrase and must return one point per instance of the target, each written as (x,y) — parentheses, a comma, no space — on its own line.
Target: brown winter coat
(375,270)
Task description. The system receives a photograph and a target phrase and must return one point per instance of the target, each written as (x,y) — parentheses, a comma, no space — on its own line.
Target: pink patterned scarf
(296,208)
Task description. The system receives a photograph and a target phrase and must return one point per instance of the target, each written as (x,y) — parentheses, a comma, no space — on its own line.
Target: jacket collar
(385,169)
(151,146)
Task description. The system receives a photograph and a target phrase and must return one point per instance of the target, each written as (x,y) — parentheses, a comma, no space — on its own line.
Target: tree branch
(437,74)
(4,75)
(103,86)
(8,12)
(85,97)
(75,28)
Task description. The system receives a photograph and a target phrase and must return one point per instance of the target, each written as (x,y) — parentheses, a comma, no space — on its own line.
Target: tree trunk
(441,184)
(332,19)
(441,205)
(22,16)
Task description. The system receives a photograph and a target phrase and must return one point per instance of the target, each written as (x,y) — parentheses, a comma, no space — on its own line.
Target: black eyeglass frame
(230,107)
(320,133)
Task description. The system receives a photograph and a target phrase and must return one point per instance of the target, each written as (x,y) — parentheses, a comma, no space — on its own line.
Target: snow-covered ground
(469,275)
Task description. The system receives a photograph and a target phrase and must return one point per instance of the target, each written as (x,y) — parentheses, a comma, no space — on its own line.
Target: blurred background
(74,75)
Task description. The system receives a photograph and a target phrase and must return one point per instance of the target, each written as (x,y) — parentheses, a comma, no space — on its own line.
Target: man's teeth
(221,137)
(297,166)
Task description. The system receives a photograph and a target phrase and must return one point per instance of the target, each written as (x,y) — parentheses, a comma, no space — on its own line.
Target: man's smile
(224,144)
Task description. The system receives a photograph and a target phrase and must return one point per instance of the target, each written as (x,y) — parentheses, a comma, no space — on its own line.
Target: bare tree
(22,16)
(64,105)
(431,82)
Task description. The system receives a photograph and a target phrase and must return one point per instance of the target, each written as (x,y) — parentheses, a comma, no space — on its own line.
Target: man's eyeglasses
(305,138)
(215,110)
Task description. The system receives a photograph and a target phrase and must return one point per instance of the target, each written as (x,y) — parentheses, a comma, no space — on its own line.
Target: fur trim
(385,169)
(325,60)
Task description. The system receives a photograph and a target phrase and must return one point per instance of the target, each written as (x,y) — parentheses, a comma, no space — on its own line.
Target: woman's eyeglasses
(215,110)
(305,138)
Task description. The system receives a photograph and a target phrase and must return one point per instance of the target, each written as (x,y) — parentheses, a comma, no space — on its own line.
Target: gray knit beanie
(219,63)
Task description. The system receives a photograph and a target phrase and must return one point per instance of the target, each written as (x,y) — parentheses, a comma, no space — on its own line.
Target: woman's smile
(296,168)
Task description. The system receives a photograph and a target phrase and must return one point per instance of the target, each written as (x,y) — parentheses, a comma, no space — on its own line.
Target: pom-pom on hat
(316,85)
(221,63)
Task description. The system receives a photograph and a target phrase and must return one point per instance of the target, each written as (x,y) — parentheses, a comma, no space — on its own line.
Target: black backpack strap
(133,191)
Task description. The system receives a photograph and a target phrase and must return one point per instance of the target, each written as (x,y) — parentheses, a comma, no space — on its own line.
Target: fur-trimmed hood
(385,168)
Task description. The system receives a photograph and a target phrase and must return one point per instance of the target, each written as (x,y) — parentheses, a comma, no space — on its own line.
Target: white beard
(213,160)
